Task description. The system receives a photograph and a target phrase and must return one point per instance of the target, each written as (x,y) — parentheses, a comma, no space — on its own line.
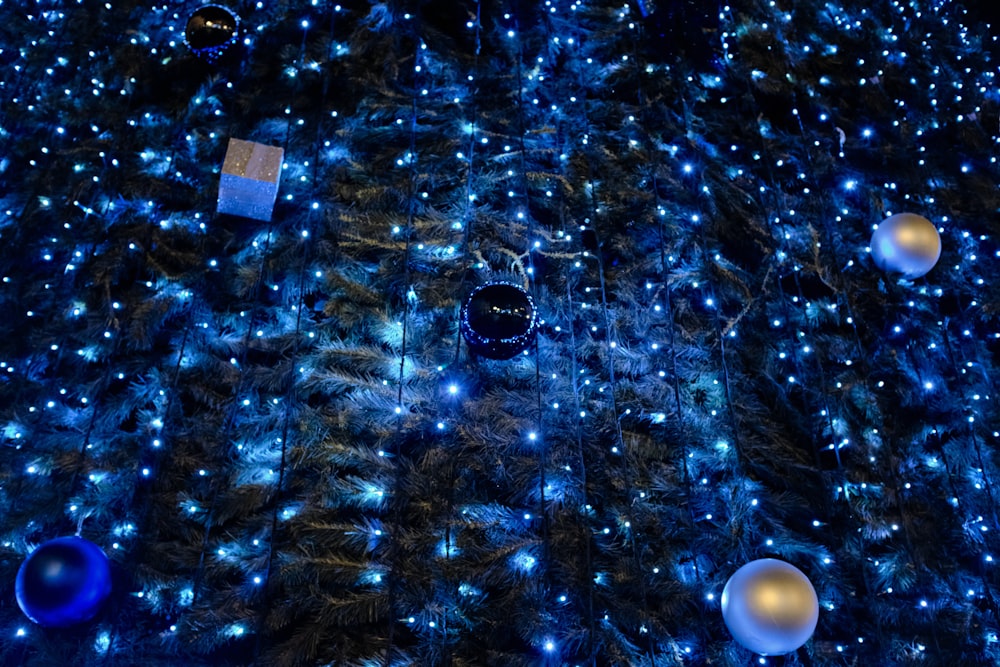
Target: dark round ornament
(211,31)
(63,582)
(498,320)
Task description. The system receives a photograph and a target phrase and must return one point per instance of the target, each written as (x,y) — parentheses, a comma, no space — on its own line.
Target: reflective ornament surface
(63,582)
(211,31)
(906,243)
(498,320)
(770,607)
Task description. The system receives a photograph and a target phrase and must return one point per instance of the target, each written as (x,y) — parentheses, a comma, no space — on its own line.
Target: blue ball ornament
(770,607)
(63,582)
(499,320)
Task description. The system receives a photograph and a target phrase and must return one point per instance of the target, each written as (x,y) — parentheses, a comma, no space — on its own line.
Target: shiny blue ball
(63,582)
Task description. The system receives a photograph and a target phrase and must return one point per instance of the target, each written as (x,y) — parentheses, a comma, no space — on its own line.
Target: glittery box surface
(249,182)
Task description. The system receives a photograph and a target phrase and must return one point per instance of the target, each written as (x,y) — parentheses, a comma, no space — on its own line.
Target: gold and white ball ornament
(906,243)
(770,607)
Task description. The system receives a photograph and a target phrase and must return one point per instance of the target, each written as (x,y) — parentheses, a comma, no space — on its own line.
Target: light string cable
(290,401)
(724,328)
(229,424)
(153,461)
(397,484)
(610,348)
(164,422)
(468,219)
(95,402)
(778,204)
(963,365)
(151,470)
(579,449)
(897,455)
(581,458)
(721,331)
(116,330)
(666,291)
(961,361)
(572,280)
(843,299)
(530,270)
(777,228)
(52,19)
(113,326)
(469,212)
(960,364)
(162,426)
(23,234)
(84,84)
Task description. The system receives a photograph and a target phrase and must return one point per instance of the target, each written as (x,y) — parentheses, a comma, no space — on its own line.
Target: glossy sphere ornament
(211,31)
(906,243)
(498,320)
(63,582)
(770,607)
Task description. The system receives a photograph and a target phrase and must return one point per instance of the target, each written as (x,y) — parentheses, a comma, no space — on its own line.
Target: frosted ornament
(770,607)
(907,244)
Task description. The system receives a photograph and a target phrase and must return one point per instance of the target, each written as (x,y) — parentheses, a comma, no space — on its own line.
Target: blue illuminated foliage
(280,437)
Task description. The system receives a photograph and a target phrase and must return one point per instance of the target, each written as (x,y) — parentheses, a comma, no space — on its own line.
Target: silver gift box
(249,183)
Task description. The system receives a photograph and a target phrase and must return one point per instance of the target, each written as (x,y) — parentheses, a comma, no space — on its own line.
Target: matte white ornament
(249,182)
(770,607)
(906,243)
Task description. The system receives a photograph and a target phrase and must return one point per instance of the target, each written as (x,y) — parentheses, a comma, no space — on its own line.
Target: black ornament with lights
(211,32)
(499,320)
(63,582)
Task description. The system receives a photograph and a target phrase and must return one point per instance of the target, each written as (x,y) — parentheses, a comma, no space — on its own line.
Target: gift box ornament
(249,183)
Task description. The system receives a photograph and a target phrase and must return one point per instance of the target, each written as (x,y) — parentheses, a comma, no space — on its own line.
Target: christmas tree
(285,436)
